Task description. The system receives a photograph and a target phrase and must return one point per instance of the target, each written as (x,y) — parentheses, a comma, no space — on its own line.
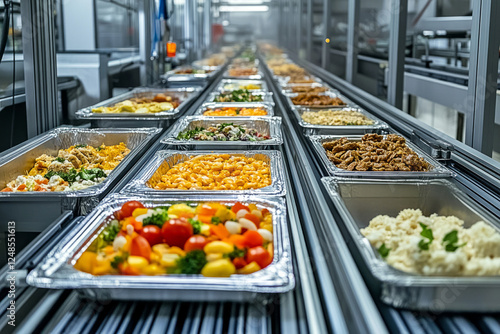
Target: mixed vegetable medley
(231,111)
(75,168)
(222,132)
(240,95)
(210,239)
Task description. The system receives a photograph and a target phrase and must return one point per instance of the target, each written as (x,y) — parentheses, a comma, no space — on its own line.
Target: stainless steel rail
(478,174)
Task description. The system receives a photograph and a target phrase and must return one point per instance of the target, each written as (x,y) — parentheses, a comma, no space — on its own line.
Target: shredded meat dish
(313,99)
(374,153)
(308,89)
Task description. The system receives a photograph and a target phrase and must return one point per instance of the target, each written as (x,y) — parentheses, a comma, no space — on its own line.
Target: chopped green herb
(384,251)
(157,219)
(119,259)
(427,234)
(59,159)
(80,146)
(111,231)
(235,253)
(196,225)
(192,263)
(215,220)
(450,241)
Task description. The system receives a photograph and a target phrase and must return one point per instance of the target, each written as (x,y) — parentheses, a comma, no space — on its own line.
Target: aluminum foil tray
(358,201)
(331,93)
(258,76)
(57,272)
(172,76)
(224,82)
(437,170)
(266,98)
(284,81)
(144,181)
(270,126)
(35,207)
(212,105)
(339,129)
(161,119)
(288,88)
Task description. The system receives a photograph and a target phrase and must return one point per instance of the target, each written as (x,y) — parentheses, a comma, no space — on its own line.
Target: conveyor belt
(397,321)
(60,311)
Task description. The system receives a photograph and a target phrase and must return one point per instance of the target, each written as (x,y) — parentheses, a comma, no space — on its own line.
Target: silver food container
(359,201)
(173,76)
(285,81)
(57,271)
(133,120)
(42,207)
(288,89)
(266,98)
(258,76)
(214,105)
(339,129)
(152,172)
(331,93)
(225,85)
(269,126)
(436,169)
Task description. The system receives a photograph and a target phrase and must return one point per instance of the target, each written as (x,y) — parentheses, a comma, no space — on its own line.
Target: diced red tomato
(152,234)
(4,190)
(140,247)
(195,242)
(129,207)
(21,187)
(238,206)
(177,231)
(239,262)
(259,255)
(253,239)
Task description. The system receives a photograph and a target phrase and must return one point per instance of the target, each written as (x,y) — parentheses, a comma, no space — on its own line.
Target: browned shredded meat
(374,153)
(313,99)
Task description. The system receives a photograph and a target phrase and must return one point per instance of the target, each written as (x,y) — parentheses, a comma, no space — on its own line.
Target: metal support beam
(207,24)
(325,50)
(397,42)
(352,40)
(309,29)
(483,71)
(299,26)
(145,15)
(40,70)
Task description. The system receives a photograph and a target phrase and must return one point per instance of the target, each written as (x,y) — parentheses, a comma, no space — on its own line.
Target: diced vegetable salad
(211,239)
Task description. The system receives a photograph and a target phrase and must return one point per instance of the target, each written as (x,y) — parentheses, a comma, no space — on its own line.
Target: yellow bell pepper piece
(249,268)
(205,230)
(160,249)
(169,260)
(137,262)
(214,257)
(219,268)
(154,257)
(180,210)
(176,250)
(267,226)
(153,269)
(86,262)
(139,211)
(218,247)
(102,266)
